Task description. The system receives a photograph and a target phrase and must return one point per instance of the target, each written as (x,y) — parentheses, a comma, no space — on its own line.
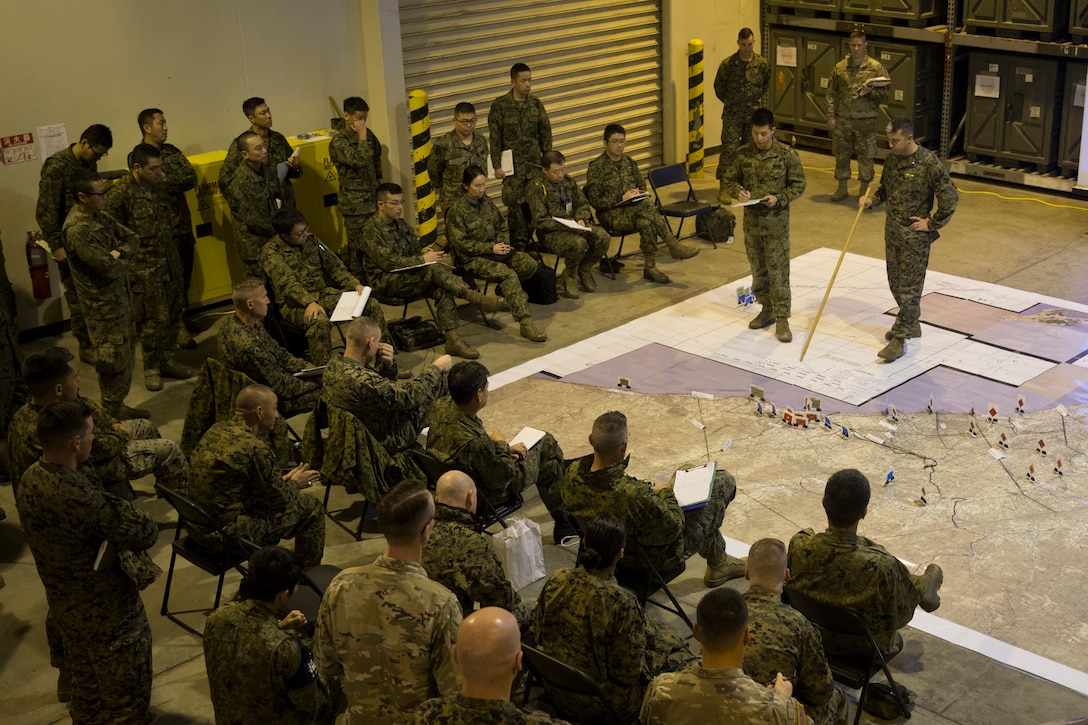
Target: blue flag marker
(827,422)
(759,408)
(890,477)
(845,432)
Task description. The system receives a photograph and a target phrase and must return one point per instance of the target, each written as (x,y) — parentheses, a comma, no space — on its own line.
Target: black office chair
(852,671)
(487,514)
(689,206)
(214,563)
(547,671)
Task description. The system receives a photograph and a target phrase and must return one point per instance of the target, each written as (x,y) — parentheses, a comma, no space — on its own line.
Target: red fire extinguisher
(38,259)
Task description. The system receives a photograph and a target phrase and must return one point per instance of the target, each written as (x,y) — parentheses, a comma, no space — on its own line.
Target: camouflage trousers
(507,277)
(114,343)
(665,651)
(437,281)
(702,525)
(75,309)
(353,225)
(735,133)
(576,247)
(643,218)
(830,712)
(767,243)
(319,330)
(147,453)
(513,197)
(12,390)
(906,256)
(303,521)
(544,466)
(854,137)
(300,398)
(156,310)
(111,683)
(186,246)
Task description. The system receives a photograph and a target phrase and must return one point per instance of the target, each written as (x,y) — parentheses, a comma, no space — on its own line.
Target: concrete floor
(1035,244)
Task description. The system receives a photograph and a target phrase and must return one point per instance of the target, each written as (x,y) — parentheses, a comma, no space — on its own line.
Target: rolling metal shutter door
(593,64)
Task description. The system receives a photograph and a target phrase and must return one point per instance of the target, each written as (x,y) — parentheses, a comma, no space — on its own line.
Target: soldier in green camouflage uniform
(517,121)
(488,653)
(254,198)
(454,152)
(913,177)
(479,238)
(234,478)
(357,154)
(388,244)
(12,389)
(462,559)
(846,570)
(155,276)
(717,690)
(98,615)
(770,170)
(741,84)
(308,281)
(555,194)
(614,177)
(259,116)
(385,631)
(259,670)
(598,483)
(245,346)
(585,619)
(99,250)
(782,640)
(851,111)
(55,200)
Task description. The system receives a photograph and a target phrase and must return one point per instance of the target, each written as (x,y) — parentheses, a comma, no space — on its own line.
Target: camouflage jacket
(590,622)
(782,640)
(65,519)
(107,461)
(101,280)
(55,194)
(775,171)
(462,710)
(842,99)
(147,213)
(359,168)
(384,636)
(392,410)
(279,150)
(251,350)
(449,159)
(522,126)
(847,570)
(655,520)
(461,559)
(300,274)
(608,180)
(547,200)
(474,228)
(259,673)
(909,184)
(178,176)
(725,697)
(254,199)
(742,86)
(387,247)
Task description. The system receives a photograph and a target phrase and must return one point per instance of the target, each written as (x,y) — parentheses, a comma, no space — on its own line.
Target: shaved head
(252,396)
(767,563)
(488,645)
(453,487)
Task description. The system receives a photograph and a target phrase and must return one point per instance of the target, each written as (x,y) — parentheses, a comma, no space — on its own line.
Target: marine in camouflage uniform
(154,272)
(450,156)
(178,178)
(303,274)
(105,296)
(668,534)
(258,672)
(586,620)
(523,127)
(279,151)
(254,199)
(251,350)
(727,697)
(235,479)
(12,390)
(775,171)
(782,640)
(579,250)
(741,85)
(460,558)
(384,635)
(98,615)
(358,165)
(851,109)
(462,710)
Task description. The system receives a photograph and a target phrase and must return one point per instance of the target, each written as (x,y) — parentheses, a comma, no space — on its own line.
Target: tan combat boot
(487,303)
(763,319)
(678,250)
(782,330)
(651,272)
(840,193)
(892,351)
(585,276)
(457,347)
(530,331)
(568,283)
(915,332)
(730,567)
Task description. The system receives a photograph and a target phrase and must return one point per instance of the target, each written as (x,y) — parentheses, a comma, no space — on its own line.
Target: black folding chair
(688,206)
(852,671)
(547,671)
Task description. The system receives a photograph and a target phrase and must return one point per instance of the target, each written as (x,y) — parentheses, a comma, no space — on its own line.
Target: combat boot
(152,380)
(782,330)
(933,578)
(64,686)
(730,567)
(863,189)
(457,347)
(120,411)
(652,273)
(585,277)
(892,351)
(530,332)
(678,250)
(86,354)
(841,192)
(185,338)
(763,319)
(487,303)
(915,332)
(568,283)
(176,371)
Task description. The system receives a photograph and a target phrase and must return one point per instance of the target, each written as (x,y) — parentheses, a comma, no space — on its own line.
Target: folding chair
(852,671)
(547,671)
(689,206)
(535,244)
(397,301)
(214,563)
(487,514)
(311,588)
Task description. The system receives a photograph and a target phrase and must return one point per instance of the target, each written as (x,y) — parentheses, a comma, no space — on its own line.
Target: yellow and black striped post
(420,115)
(695,107)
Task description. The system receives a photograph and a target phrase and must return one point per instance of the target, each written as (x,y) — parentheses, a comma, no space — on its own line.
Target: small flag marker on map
(1004,442)
(1031,473)
(1020,405)
(845,432)
(1058,467)
(971,429)
(1041,448)
(923,499)
(929,407)
(991,413)
(827,422)
(759,408)
(893,412)
(890,477)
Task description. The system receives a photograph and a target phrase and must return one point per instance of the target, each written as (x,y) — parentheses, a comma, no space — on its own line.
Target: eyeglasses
(99,154)
(393,202)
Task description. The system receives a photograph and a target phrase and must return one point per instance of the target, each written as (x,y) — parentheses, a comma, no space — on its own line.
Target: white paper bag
(521,551)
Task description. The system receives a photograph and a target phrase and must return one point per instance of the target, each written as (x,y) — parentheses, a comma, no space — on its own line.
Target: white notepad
(351,305)
(692,486)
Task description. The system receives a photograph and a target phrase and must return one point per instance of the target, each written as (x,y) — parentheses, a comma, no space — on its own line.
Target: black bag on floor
(882,702)
(415,333)
(721,221)
(540,288)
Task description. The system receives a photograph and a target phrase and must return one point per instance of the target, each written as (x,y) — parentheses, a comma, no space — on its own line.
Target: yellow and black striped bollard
(695,107)
(420,115)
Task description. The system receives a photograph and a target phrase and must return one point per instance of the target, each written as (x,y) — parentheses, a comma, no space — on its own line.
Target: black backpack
(540,288)
(415,333)
(721,221)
